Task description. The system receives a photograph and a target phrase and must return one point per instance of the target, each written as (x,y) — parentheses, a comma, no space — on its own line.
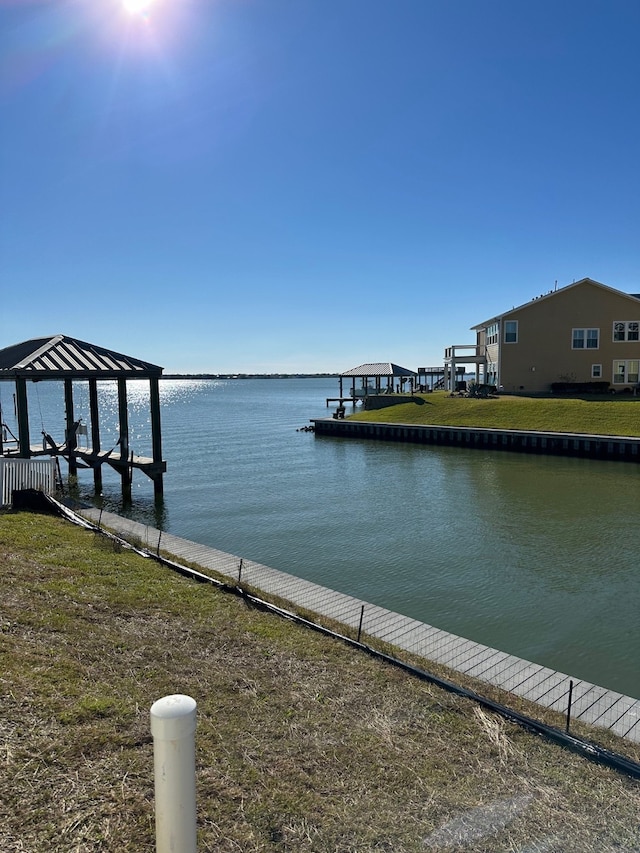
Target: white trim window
(492,334)
(626,330)
(596,371)
(626,371)
(585,338)
(511,331)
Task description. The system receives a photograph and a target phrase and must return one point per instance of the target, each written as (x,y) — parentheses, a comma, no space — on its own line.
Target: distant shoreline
(250,376)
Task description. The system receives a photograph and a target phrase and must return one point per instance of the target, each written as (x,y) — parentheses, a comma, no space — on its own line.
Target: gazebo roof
(379,368)
(61,357)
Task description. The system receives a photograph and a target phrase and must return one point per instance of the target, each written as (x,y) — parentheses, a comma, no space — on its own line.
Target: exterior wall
(544,353)
(493,364)
(491,351)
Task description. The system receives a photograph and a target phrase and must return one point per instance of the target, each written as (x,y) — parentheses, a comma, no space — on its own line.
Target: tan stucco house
(585,332)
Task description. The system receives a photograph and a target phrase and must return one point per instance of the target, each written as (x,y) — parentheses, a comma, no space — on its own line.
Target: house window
(585,338)
(511,332)
(596,371)
(626,330)
(625,372)
(492,334)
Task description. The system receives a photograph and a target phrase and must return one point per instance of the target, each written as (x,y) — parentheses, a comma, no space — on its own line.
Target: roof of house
(550,295)
(379,368)
(60,356)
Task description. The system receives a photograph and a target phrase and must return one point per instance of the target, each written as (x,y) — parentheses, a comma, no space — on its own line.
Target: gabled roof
(61,356)
(379,368)
(550,295)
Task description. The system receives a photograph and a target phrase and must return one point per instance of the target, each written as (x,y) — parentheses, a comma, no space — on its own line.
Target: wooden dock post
(156,434)
(23,418)
(70,436)
(95,433)
(123,419)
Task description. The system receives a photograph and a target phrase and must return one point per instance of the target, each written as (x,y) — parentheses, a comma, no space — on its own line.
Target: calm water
(532,555)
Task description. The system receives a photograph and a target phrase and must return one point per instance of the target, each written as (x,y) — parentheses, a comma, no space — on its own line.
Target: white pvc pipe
(173,727)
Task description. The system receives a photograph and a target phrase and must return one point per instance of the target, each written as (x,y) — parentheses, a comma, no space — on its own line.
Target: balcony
(460,354)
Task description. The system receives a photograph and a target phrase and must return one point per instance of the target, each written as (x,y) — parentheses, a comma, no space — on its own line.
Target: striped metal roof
(62,356)
(379,368)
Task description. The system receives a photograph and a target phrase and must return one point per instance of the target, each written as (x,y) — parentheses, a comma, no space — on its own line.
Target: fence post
(360,625)
(173,726)
(569,704)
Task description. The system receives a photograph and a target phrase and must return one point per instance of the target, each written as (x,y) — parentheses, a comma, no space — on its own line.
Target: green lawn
(303,744)
(602,416)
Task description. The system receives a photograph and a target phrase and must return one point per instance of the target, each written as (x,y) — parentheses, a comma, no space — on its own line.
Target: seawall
(613,447)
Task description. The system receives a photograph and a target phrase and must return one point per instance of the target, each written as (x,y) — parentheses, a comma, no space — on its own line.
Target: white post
(173,727)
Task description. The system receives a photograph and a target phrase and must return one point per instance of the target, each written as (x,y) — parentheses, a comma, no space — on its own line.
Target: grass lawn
(303,744)
(602,416)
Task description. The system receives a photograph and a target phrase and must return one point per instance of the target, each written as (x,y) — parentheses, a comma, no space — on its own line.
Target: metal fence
(17,474)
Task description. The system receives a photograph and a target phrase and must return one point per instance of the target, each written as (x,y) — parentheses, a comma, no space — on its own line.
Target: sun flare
(137,7)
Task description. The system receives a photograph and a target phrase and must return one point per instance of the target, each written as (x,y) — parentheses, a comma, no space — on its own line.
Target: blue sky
(296,185)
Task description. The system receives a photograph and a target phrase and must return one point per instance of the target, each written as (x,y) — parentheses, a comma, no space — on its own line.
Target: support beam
(70,436)
(156,433)
(123,419)
(23,418)
(95,432)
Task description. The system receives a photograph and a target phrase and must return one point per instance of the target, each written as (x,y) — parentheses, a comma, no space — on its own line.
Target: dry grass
(302,744)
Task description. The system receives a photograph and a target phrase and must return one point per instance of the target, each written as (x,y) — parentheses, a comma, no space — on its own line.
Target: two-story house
(585,332)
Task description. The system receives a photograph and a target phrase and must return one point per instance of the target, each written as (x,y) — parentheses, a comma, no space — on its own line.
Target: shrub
(478,389)
(579,387)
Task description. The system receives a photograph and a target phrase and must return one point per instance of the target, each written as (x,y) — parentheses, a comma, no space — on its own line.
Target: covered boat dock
(381,377)
(67,359)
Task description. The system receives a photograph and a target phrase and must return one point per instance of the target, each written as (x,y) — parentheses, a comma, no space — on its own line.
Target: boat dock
(534,682)
(342,400)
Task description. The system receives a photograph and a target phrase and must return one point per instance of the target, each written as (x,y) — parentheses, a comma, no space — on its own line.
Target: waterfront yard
(608,415)
(303,744)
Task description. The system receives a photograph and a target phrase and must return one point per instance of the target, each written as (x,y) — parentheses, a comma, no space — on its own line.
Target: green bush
(579,387)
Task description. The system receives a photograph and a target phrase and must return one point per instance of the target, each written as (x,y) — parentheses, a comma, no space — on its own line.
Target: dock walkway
(591,704)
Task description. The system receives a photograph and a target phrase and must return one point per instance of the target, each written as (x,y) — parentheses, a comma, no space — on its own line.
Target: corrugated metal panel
(57,356)
(79,356)
(43,363)
(106,363)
